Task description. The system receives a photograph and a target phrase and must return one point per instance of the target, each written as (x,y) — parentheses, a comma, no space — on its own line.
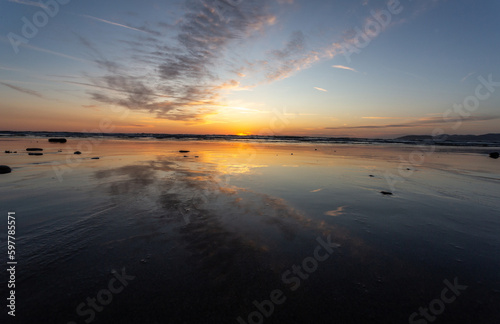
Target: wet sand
(208,236)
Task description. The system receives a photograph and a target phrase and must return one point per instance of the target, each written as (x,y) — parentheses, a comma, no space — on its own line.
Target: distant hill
(486,138)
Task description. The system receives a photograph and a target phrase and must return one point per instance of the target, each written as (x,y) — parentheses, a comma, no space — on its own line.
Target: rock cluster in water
(57,140)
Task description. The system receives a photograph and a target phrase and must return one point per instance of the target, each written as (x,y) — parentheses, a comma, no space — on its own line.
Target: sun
(243,134)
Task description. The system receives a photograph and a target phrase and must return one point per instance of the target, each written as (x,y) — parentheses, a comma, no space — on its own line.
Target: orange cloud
(344,68)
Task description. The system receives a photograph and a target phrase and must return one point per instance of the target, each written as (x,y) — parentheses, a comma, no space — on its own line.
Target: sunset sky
(354,68)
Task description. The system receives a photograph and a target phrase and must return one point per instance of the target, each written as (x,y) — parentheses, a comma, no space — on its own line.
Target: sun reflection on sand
(336,212)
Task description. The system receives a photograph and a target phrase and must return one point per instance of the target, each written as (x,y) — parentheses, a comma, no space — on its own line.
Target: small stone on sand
(386,193)
(33,149)
(57,140)
(77,152)
(5,169)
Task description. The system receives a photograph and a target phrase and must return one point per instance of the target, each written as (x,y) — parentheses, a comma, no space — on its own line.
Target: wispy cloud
(293,57)
(185,79)
(421,122)
(344,68)
(43,50)
(21,89)
(180,81)
(29,3)
(6,68)
(233,85)
(381,117)
(320,89)
(113,23)
(467,76)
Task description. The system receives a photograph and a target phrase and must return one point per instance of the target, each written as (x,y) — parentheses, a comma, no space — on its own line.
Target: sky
(356,68)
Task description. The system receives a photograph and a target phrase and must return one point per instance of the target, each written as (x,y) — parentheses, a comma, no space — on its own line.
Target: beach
(183,231)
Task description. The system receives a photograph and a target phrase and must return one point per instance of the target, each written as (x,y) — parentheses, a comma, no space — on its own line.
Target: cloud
(295,45)
(195,68)
(234,86)
(179,81)
(43,50)
(186,73)
(112,23)
(354,42)
(29,3)
(421,122)
(344,68)
(23,90)
(467,76)
(293,57)
(320,89)
(381,117)
(6,68)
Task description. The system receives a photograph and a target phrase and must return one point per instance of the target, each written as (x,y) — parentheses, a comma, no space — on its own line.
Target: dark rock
(196,156)
(35,153)
(8,152)
(186,156)
(33,149)
(372,176)
(4,169)
(77,152)
(183,151)
(94,158)
(57,140)
(494,155)
(386,193)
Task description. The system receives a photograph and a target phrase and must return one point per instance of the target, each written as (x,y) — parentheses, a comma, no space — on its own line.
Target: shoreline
(412,140)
